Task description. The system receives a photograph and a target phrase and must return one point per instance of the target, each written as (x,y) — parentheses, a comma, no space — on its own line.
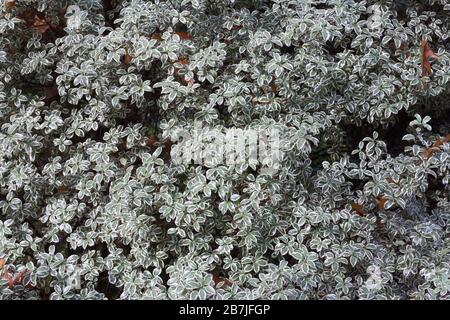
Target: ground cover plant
(93,207)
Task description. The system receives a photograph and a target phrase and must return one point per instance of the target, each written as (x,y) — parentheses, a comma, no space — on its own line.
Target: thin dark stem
(107,7)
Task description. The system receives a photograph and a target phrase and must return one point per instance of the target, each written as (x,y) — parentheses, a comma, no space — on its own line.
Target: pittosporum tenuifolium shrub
(93,207)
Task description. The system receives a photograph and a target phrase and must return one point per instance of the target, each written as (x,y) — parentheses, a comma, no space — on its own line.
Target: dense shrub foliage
(92,207)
